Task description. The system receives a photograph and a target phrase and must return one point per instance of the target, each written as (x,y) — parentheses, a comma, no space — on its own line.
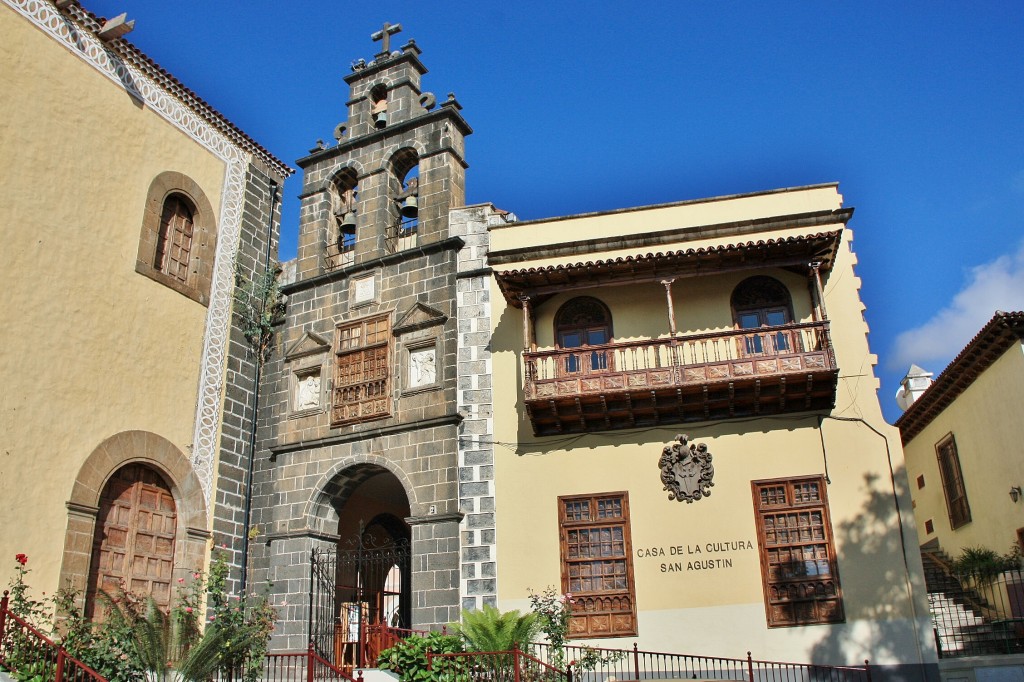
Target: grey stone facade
(257,250)
(322,473)
(476,446)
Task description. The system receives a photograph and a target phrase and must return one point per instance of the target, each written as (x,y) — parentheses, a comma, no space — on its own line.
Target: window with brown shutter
(174,240)
(597,566)
(798,563)
(362,378)
(953,482)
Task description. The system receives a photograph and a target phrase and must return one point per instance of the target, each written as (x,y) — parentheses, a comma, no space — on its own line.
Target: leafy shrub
(138,640)
(984,564)
(408,659)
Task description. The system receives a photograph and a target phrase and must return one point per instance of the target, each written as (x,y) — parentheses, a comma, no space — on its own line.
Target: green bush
(984,564)
(408,659)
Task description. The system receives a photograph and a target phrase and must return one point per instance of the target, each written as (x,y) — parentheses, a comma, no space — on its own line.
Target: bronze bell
(348,223)
(380,119)
(409,208)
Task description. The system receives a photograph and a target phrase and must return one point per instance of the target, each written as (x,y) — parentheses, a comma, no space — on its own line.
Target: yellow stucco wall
(91,348)
(986,422)
(718,610)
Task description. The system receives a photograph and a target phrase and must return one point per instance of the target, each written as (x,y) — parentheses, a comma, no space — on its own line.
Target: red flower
(21,558)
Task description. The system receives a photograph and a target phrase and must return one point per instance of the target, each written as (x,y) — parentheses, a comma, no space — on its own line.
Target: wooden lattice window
(798,563)
(362,378)
(597,566)
(174,240)
(953,482)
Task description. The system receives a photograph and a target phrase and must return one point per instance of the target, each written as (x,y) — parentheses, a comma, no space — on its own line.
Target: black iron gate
(356,592)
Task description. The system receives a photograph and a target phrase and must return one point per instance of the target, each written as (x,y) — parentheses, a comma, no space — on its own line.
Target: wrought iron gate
(355,594)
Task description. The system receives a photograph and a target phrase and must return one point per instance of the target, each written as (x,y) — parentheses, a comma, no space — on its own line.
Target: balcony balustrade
(700,377)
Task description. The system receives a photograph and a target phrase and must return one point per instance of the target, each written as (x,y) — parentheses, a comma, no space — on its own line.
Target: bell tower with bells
(361,403)
(397,167)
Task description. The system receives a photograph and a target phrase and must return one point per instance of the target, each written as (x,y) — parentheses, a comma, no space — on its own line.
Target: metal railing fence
(31,654)
(634,664)
(495,666)
(975,614)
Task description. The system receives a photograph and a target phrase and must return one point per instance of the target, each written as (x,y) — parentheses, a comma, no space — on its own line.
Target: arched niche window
(580,322)
(405,191)
(344,195)
(178,240)
(758,302)
(379,106)
(134,542)
(174,240)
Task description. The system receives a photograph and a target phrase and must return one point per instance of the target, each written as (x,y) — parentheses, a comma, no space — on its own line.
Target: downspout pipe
(247,517)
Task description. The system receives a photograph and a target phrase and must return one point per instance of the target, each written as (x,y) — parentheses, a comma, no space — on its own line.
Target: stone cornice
(364,434)
(449,244)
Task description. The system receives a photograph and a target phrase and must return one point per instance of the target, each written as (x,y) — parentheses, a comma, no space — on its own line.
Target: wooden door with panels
(133,546)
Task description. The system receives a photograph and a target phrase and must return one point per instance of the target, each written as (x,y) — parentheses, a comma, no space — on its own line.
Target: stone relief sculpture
(307,393)
(686,472)
(422,367)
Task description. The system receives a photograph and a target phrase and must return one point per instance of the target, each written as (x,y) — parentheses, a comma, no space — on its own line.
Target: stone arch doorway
(116,454)
(134,544)
(364,582)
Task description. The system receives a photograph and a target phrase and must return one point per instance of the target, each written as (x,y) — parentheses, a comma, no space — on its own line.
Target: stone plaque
(364,290)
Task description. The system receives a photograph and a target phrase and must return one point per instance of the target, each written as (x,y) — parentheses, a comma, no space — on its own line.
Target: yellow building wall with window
(697,567)
(91,348)
(984,422)
(104,350)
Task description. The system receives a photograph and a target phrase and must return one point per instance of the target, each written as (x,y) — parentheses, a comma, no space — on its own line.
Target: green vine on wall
(259,305)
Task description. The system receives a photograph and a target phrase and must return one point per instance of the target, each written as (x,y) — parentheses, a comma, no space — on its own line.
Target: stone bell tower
(360,424)
(397,168)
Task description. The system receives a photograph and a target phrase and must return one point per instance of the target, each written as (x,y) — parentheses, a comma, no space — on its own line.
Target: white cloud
(998,285)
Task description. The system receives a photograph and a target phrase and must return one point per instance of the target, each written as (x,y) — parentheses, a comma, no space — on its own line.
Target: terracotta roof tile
(165,79)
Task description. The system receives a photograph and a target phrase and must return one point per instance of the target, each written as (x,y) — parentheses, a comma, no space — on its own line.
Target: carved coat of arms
(686,470)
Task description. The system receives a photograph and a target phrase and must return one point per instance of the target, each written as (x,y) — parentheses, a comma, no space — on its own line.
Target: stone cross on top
(384,35)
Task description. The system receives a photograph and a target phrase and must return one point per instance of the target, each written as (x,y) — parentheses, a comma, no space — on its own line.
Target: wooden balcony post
(671,309)
(819,293)
(529,341)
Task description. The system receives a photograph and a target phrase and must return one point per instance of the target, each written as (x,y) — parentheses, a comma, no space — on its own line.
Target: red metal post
(867,669)
(515,663)
(309,663)
(636,662)
(3,613)
(750,667)
(60,665)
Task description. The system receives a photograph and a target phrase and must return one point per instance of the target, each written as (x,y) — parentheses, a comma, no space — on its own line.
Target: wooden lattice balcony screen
(680,379)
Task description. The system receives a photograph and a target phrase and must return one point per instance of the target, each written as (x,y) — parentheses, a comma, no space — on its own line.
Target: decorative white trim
(81,42)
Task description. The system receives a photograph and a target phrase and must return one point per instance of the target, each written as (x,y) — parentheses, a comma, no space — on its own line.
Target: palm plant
(156,642)
(491,630)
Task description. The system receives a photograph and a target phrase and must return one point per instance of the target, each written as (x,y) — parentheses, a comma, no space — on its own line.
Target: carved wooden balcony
(703,377)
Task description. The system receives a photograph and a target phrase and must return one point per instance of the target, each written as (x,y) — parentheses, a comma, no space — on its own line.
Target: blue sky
(915,108)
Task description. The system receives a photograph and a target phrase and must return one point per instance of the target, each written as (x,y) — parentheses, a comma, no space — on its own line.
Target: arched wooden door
(133,545)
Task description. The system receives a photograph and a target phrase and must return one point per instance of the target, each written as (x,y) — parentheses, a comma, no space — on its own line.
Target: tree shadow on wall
(878,603)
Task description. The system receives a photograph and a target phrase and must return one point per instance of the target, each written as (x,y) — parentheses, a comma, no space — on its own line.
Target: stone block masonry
(476,432)
(259,237)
